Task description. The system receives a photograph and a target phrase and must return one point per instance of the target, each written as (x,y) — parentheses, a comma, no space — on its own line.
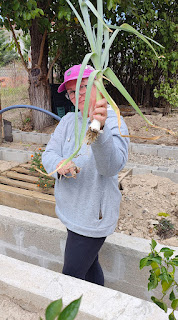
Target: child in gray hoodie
(89,204)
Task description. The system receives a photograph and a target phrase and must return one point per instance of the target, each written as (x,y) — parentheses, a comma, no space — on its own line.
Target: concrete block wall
(40,240)
(166,152)
(33,288)
(151,149)
(30,137)
(21,156)
(170,173)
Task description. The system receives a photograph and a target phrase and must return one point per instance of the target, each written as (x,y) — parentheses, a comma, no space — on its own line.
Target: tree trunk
(39,90)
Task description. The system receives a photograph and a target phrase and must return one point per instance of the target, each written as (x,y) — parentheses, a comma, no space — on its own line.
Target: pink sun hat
(73,73)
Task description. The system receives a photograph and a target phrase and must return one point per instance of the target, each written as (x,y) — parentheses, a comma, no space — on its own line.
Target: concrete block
(42,286)
(14,155)
(31,137)
(166,174)
(168,152)
(16,254)
(45,138)
(17,135)
(144,149)
(9,233)
(47,243)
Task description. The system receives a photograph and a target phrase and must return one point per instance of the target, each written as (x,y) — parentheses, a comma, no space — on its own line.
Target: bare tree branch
(42,49)
(53,62)
(17,45)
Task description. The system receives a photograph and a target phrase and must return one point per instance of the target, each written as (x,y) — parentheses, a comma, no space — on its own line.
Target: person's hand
(70,167)
(99,111)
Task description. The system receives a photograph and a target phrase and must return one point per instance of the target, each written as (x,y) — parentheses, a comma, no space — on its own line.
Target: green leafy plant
(100,38)
(44,181)
(165,228)
(169,93)
(54,310)
(162,272)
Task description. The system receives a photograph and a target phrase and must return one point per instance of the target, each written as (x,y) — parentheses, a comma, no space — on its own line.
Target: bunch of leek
(100,37)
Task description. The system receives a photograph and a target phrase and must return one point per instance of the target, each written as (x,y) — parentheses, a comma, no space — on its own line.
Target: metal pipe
(31,107)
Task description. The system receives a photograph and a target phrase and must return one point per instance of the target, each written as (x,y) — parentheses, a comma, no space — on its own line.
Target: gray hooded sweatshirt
(89,204)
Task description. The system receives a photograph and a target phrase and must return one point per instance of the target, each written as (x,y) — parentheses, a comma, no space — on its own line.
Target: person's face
(71,87)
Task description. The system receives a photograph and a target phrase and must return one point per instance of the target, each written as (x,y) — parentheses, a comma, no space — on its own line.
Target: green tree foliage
(7,54)
(133,62)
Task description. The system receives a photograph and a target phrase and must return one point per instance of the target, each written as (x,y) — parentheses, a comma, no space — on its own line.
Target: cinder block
(45,240)
(9,232)
(16,254)
(168,152)
(45,138)
(17,135)
(170,175)
(31,137)
(15,155)
(56,266)
(144,149)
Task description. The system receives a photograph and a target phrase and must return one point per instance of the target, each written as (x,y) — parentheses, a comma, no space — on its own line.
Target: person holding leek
(89,204)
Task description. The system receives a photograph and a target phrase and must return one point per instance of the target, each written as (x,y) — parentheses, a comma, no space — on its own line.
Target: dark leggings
(81,258)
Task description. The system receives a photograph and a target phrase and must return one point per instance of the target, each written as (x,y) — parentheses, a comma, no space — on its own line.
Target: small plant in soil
(163,267)
(44,181)
(165,229)
(54,310)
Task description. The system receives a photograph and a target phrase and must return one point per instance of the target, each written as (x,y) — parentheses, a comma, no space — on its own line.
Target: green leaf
(172,295)
(159,303)
(145,262)
(70,312)
(128,28)
(165,285)
(153,244)
(53,309)
(175,261)
(60,14)
(115,81)
(163,214)
(95,12)
(171,316)
(167,252)
(110,4)
(89,33)
(82,68)
(107,47)
(16,5)
(157,259)
(174,304)
(153,281)
(77,15)
(86,104)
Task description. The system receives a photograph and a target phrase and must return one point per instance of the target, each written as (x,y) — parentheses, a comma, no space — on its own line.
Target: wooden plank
(23,185)
(27,200)
(19,176)
(29,193)
(19,184)
(26,171)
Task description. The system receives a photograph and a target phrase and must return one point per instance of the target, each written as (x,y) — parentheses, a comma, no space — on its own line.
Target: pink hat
(73,73)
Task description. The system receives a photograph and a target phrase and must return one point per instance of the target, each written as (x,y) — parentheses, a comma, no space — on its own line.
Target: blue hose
(33,108)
